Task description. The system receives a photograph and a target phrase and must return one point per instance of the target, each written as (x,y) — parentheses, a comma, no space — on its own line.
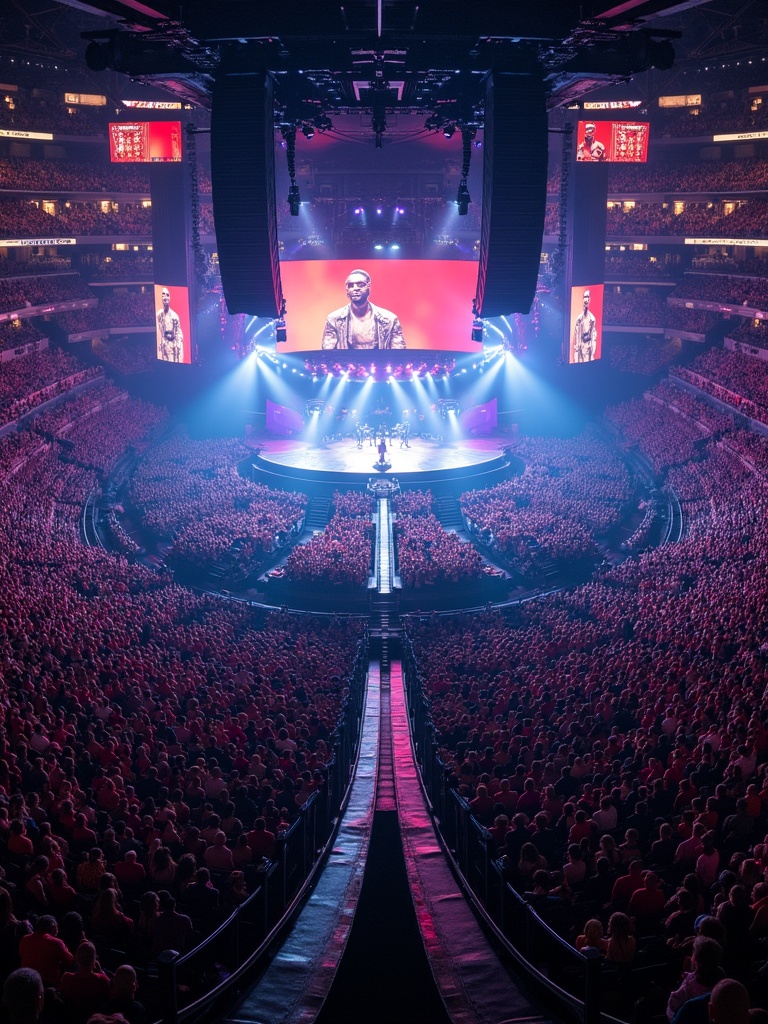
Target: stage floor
(342,457)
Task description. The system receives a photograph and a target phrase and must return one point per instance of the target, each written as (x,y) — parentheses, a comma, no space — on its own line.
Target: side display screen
(339,305)
(621,142)
(172,323)
(585,336)
(145,142)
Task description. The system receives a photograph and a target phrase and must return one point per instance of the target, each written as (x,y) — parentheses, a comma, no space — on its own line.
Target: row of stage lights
(379,372)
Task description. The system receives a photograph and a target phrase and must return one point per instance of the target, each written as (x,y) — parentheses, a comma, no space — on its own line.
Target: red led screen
(145,142)
(612,141)
(415,304)
(172,324)
(585,335)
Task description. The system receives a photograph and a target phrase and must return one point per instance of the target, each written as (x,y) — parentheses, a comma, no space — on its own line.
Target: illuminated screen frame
(613,142)
(583,346)
(145,142)
(432,300)
(180,326)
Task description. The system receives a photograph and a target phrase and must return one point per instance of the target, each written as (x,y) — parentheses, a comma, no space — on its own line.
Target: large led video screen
(339,305)
(172,323)
(145,142)
(618,142)
(585,335)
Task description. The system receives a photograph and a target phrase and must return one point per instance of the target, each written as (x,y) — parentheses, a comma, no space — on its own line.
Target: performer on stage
(405,433)
(382,450)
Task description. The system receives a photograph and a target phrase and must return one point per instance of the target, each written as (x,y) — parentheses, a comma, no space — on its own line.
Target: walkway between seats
(473,983)
(386,936)
(297,982)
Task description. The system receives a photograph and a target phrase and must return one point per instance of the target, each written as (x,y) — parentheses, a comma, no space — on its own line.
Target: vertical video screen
(172,324)
(585,333)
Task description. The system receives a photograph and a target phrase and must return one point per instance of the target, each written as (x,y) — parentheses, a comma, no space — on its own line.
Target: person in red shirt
(647,904)
(626,885)
(85,989)
(44,952)
(260,840)
(19,844)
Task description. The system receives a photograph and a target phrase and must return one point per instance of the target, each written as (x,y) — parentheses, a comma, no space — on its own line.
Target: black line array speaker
(243,179)
(514,192)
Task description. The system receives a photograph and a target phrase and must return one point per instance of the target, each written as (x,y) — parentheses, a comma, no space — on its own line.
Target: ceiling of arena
(414,56)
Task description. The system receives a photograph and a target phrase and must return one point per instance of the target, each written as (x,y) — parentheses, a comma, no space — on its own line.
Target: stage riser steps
(449,513)
(318,514)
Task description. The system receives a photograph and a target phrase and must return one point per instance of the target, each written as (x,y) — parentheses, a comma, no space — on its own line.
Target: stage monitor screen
(585,335)
(620,142)
(172,322)
(412,304)
(145,142)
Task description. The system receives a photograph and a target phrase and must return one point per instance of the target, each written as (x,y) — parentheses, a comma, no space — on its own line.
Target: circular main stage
(426,460)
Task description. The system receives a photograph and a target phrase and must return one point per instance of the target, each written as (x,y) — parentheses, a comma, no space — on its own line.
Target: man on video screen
(585,333)
(170,339)
(360,324)
(590,148)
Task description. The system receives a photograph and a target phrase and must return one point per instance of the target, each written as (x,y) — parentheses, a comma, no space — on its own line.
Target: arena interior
(384,497)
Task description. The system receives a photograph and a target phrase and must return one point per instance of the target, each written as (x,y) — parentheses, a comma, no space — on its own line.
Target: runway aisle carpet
(384,976)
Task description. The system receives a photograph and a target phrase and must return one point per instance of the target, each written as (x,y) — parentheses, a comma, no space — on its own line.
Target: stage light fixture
(294,200)
(449,130)
(281,334)
(463,199)
(478,329)
(308,131)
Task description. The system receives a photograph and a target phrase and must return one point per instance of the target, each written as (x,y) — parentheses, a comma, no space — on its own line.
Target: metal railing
(190,984)
(575,984)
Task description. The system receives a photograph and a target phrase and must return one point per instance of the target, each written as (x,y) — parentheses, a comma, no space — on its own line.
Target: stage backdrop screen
(585,342)
(145,142)
(172,324)
(619,142)
(431,299)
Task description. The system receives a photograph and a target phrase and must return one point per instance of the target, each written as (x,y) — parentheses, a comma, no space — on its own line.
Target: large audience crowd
(71,176)
(644,308)
(748,220)
(44,115)
(639,266)
(693,321)
(17,333)
(750,332)
(39,291)
(27,220)
(155,743)
(340,555)
(34,379)
(126,355)
(646,357)
(122,309)
(124,268)
(191,492)
(613,740)
(427,554)
(733,377)
(726,176)
(735,291)
(571,493)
